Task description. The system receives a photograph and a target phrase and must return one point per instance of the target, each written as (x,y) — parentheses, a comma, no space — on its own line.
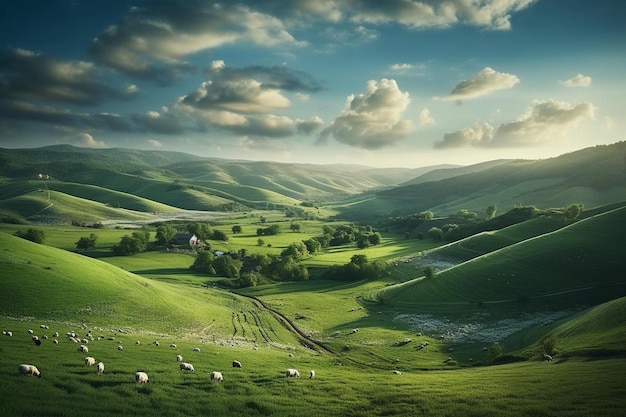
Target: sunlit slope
(39,205)
(599,329)
(584,260)
(46,283)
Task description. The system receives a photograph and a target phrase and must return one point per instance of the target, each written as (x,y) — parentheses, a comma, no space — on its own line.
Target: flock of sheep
(141,377)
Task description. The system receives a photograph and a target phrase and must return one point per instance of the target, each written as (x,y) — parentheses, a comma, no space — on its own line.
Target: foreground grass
(562,388)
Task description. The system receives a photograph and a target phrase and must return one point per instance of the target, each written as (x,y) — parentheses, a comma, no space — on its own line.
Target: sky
(393,83)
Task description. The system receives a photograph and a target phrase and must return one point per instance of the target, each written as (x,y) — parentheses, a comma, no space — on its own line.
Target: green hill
(48,284)
(579,264)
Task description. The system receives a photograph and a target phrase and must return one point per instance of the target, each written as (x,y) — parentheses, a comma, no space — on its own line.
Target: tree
(573,211)
(226,266)
(219,235)
(491,211)
(375,238)
(296,250)
(429,271)
(165,233)
(260,242)
(435,233)
(313,246)
(426,215)
(204,262)
(236,229)
(295,227)
(34,235)
(85,242)
(495,351)
(131,245)
(202,231)
(359,260)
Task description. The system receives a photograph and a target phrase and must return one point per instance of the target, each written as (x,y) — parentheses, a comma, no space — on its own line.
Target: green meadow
(467,340)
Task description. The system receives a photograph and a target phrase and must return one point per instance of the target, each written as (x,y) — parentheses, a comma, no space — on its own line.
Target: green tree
(491,211)
(127,246)
(313,246)
(495,351)
(202,231)
(204,262)
(429,271)
(34,235)
(435,233)
(375,238)
(426,215)
(359,260)
(260,242)
(165,233)
(296,250)
(295,227)
(226,266)
(573,211)
(85,242)
(219,235)
(236,229)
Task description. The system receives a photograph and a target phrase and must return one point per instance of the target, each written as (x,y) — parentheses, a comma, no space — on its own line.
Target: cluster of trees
(358,268)
(268,231)
(362,236)
(133,244)
(87,242)
(34,235)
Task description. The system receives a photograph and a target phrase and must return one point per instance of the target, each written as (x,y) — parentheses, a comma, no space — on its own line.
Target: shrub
(34,235)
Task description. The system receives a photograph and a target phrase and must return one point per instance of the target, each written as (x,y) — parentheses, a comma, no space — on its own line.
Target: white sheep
(179,358)
(8,333)
(100,368)
(83,349)
(397,372)
(547,357)
(89,361)
(312,374)
(138,343)
(184,366)
(55,334)
(292,373)
(31,370)
(120,348)
(141,377)
(196,349)
(216,376)
(173,345)
(237,364)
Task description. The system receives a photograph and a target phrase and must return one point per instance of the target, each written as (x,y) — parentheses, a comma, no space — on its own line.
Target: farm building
(185,239)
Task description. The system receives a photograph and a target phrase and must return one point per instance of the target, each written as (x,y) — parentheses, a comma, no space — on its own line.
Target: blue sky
(404,83)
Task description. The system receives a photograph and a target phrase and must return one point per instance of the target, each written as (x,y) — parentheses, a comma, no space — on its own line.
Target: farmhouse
(185,239)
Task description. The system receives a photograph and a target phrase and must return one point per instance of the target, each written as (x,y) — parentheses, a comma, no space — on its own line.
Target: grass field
(365,327)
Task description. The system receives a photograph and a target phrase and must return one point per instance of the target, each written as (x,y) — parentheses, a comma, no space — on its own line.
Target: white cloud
(87,141)
(544,122)
(401,68)
(425,118)
(310,125)
(373,119)
(154,143)
(483,82)
(578,81)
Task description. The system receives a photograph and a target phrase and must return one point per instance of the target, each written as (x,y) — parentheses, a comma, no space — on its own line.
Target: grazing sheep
(184,366)
(120,348)
(55,341)
(89,361)
(9,334)
(547,357)
(237,364)
(30,370)
(156,343)
(37,342)
(196,349)
(35,338)
(292,373)
(291,355)
(83,349)
(216,376)
(55,334)
(173,345)
(179,358)
(141,377)
(397,372)
(312,374)
(138,343)
(100,368)
(30,331)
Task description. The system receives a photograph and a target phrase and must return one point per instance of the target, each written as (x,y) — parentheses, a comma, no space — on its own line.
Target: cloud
(544,122)
(151,41)
(153,121)
(425,118)
(87,141)
(578,81)
(373,119)
(27,75)
(483,82)
(276,77)
(309,126)
(154,143)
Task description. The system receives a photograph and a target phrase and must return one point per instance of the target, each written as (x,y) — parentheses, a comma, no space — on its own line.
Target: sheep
(83,349)
(196,349)
(156,343)
(397,372)
(138,343)
(37,342)
(55,341)
(89,361)
(237,364)
(216,376)
(30,331)
(292,373)
(173,345)
(312,374)
(179,358)
(55,334)
(184,366)
(547,357)
(35,338)
(9,334)
(141,377)
(120,348)
(100,368)
(30,370)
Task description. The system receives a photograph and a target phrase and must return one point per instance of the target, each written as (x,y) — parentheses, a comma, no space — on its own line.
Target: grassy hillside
(593,176)
(49,284)
(573,265)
